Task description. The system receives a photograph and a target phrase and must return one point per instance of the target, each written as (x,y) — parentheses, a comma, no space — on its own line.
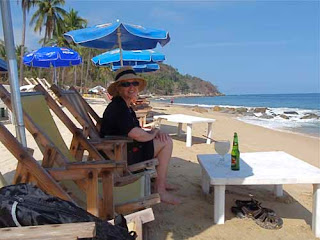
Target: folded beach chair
(29,170)
(129,193)
(31,81)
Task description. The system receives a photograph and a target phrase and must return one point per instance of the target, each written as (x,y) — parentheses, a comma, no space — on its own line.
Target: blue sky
(240,46)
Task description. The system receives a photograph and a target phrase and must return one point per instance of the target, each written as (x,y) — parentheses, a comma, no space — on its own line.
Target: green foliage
(169,81)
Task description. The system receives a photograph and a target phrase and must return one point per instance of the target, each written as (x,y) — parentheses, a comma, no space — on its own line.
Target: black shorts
(140,151)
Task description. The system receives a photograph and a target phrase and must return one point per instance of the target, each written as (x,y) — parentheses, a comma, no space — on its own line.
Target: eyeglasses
(128,84)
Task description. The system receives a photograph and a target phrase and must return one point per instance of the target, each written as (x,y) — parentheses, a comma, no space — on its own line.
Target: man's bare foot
(171,187)
(169,198)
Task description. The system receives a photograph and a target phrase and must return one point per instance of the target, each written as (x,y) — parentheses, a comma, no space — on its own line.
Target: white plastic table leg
(278,190)
(219,204)
(316,210)
(179,129)
(209,132)
(189,135)
(205,183)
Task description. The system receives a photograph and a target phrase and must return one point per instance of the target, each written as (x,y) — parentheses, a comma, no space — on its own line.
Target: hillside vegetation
(168,81)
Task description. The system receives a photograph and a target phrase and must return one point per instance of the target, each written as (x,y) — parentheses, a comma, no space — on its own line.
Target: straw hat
(124,74)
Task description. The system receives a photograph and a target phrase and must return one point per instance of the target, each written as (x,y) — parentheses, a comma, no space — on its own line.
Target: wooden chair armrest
(60,174)
(110,140)
(138,204)
(117,137)
(143,165)
(101,145)
(102,164)
(125,180)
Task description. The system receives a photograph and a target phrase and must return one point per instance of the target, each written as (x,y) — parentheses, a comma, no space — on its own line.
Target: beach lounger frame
(97,205)
(91,122)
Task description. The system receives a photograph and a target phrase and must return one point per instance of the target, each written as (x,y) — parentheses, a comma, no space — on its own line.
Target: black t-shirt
(118,118)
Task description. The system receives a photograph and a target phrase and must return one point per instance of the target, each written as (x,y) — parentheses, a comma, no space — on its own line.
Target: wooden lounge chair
(91,122)
(56,153)
(30,81)
(34,172)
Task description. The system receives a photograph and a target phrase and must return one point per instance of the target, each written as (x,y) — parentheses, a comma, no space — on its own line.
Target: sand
(193,219)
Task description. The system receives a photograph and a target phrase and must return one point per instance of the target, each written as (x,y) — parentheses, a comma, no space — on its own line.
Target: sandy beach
(193,219)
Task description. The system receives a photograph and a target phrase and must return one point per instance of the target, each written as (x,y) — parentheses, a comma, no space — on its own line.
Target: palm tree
(26,5)
(20,50)
(72,21)
(2,50)
(49,15)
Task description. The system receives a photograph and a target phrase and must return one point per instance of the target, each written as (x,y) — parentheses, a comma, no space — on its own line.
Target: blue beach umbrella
(141,68)
(47,57)
(130,58)
(123,36)
(3,66)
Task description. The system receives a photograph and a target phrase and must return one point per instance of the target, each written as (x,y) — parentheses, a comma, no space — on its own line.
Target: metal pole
(120,47)
(13,72)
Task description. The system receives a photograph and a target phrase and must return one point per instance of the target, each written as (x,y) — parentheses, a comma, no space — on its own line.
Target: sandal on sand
(264,217)
(252,205)
(268,220)
(238,212)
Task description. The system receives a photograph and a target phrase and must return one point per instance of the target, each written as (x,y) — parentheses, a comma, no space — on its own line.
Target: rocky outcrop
(283,116)
(310,116)
(199,109)
(291,112)
(260,110)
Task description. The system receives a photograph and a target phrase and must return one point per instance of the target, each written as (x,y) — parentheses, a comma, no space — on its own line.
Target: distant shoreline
(182,95)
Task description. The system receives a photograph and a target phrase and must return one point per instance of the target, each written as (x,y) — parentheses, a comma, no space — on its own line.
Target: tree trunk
(81,77)
(62,76)
(87,73)
(75,76)
(22,46)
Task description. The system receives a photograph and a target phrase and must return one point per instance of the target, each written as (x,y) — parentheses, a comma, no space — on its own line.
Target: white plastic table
(259,168)
(189,120)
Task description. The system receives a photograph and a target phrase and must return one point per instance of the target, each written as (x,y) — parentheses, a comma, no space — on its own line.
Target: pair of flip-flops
(264,217)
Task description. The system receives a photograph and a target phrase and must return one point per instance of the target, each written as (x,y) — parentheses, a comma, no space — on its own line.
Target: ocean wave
(282,118)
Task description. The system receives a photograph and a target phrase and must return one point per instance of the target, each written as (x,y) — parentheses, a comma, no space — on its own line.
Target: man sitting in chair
(120,119)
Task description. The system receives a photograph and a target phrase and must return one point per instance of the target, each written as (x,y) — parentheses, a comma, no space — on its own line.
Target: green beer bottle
(235,154)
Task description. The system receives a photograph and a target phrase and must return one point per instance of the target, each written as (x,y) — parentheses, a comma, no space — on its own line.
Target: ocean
(285,112)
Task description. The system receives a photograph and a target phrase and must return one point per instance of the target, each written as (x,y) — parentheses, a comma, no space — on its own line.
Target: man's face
(128,89)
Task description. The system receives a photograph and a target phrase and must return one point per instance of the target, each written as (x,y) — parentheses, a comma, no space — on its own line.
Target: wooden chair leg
(76,149)
(107,208)
(92,193)
(21,175)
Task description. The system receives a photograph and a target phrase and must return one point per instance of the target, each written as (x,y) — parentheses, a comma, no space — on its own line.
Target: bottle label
(233,160)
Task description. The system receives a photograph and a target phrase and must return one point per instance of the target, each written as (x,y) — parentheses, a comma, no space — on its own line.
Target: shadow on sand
(173,130)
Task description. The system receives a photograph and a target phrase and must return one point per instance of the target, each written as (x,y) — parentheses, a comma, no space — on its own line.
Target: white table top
(182,118)
(259,168)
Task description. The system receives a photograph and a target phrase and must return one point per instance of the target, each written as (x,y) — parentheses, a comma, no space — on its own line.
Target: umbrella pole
(120,47)
(13,71)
